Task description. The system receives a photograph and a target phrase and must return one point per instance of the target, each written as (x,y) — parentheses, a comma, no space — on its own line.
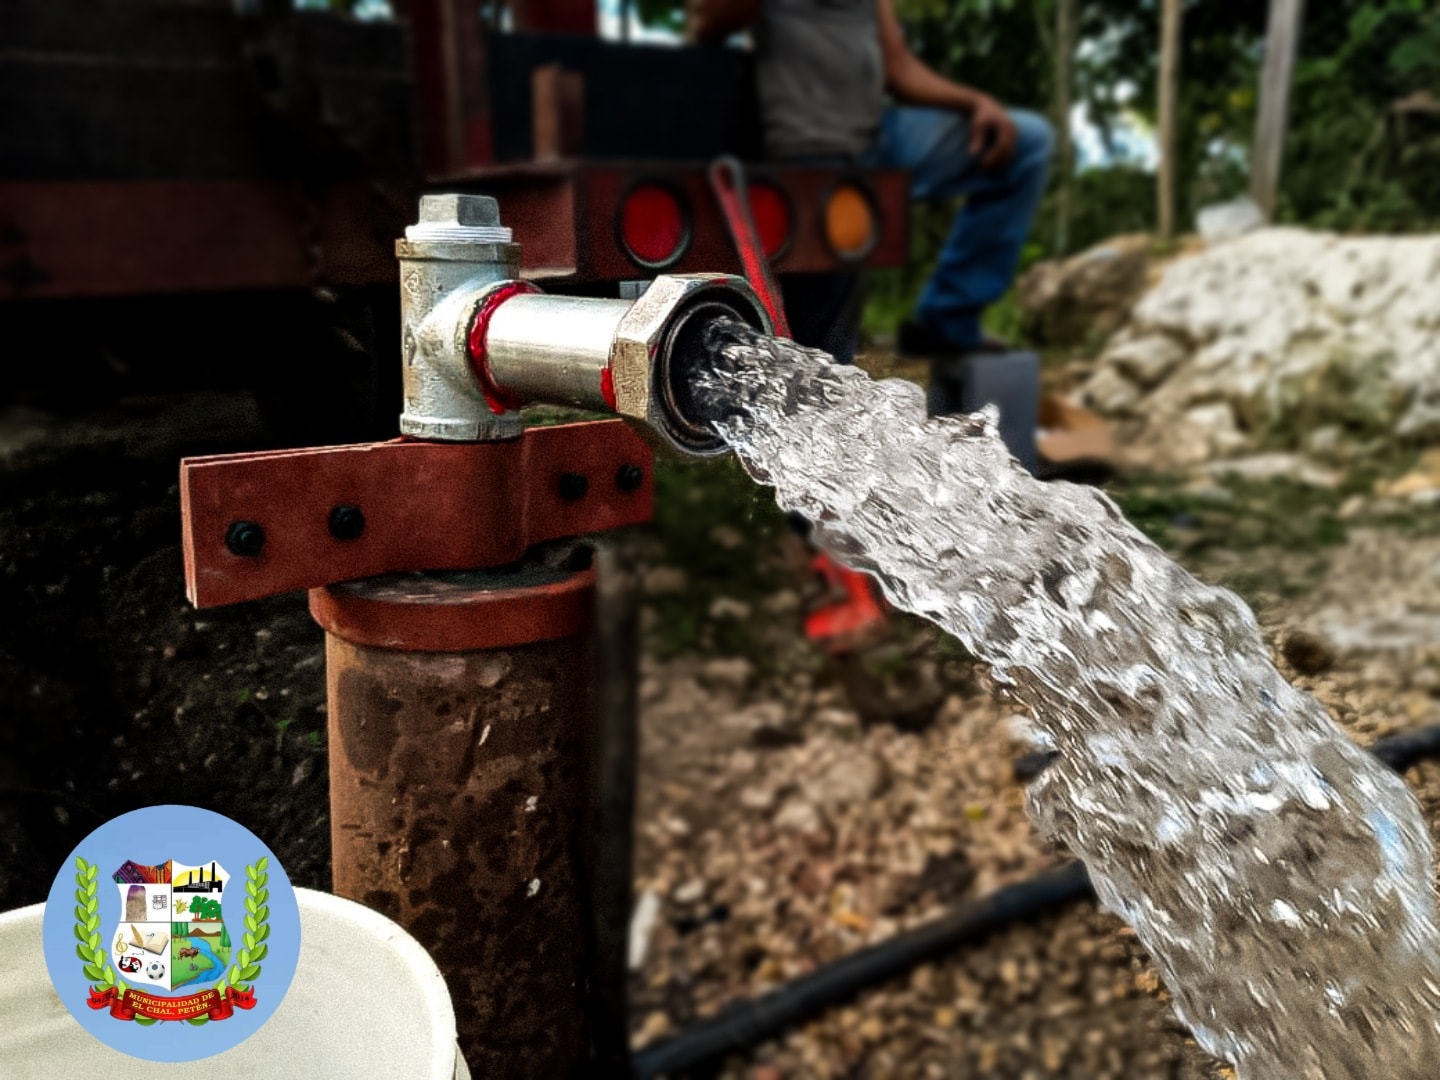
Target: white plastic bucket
(406,1033)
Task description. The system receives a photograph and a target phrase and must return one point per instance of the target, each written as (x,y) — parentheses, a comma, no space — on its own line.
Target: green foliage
(1353,161)
(1106,203)
(1243,515)
(257,916)
(692,501)
(661,14)
(998,45)
(890,294)
(338,7)
(1007,48)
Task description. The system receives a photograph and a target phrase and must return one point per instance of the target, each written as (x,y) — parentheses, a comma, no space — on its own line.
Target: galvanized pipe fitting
(456,254)
(487,344)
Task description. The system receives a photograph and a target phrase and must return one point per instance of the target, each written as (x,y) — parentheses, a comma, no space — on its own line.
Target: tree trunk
(1169,98)
(1065,20)
(1281,45)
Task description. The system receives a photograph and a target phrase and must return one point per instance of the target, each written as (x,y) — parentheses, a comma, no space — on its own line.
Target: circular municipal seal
(171,933)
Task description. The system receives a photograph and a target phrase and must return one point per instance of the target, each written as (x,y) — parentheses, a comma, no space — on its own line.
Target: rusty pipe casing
(461,763)
(479,347)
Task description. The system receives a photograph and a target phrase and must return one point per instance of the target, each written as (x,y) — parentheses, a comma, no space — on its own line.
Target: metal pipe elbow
(478,343)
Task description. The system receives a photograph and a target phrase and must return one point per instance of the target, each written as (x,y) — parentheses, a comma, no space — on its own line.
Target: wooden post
(558,112)
(1281,45)
(1169,97)
(1064,95)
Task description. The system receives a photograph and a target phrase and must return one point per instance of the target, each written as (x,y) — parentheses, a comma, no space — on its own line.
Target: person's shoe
(916,340)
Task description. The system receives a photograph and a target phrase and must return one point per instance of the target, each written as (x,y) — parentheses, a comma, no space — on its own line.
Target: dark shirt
(821,76)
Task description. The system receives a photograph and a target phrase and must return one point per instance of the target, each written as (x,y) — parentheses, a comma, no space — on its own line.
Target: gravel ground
(767,860)
(777,830)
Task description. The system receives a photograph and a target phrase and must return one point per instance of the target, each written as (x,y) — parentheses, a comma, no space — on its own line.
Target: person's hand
(992,133)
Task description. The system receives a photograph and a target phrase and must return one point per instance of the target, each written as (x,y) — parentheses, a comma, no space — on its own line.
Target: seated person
(823,69)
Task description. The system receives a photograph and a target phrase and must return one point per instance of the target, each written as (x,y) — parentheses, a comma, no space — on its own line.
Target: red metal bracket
(425,506)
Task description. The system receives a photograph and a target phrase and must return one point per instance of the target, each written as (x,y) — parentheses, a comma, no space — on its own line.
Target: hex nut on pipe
(639,362)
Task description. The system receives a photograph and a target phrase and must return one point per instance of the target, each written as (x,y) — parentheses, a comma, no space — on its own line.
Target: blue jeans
(980,255)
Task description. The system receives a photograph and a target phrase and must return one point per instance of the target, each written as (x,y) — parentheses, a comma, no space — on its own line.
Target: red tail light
(770,210)
(654,225)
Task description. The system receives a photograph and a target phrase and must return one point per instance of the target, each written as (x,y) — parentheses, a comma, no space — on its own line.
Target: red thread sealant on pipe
(607,386)
(495,395)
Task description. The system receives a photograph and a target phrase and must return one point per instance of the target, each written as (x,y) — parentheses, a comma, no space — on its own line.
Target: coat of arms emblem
(153,942)
(172,936)
(172,929)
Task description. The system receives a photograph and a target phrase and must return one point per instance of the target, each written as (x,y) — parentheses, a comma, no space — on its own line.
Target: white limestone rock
(1258,341)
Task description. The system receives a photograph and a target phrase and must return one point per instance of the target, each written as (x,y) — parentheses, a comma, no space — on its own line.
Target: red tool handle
(727,181)
(854,613)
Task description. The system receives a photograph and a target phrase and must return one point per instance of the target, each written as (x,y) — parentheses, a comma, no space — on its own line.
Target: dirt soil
(116,693)
(778,829)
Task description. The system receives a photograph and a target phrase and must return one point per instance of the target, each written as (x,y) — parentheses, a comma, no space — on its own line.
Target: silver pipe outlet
(478,343)
(554,349)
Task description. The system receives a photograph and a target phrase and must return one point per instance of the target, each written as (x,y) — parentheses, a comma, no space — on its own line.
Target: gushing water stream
(1279,876)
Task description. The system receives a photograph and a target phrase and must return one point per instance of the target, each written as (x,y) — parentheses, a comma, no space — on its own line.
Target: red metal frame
(82,238)
(107,236)
(116,238)
(452,110)
(555,16)
(427,506)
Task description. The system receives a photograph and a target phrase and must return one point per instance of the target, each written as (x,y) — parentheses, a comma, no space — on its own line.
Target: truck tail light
(771,212)
(653,224)
(851,224)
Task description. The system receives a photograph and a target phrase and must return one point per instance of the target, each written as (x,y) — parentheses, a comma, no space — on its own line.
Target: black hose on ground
(1402,751)
(745,1023)
(1028,766)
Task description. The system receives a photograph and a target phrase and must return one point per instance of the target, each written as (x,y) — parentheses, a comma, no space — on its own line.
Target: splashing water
(1279,876)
